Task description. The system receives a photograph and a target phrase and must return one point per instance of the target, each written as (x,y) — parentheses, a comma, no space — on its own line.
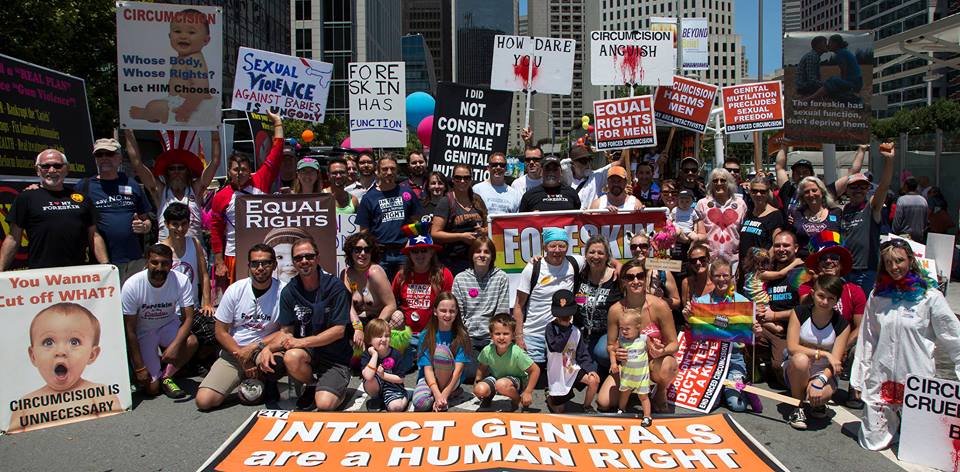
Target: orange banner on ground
(485,441)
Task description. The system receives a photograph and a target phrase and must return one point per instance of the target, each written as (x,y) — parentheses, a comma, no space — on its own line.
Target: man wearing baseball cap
(551,195)
(616,198)
(860,223)
(788,193)
(122,208)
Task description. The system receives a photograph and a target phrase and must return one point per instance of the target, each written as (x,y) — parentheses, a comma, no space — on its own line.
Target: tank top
(190,200)
(187,265)
(347,210)
(629,203)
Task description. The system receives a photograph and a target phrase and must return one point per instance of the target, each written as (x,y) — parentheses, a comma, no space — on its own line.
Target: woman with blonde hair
(816,212)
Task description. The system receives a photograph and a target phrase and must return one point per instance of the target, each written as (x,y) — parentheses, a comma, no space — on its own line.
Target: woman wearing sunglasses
(659,283)
(904,316)
(367,282)
(459,220)
(719,216)
(657,324)
(697,283)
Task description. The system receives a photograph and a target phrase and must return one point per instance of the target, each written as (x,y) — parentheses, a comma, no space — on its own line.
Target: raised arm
(876,201)
(781,165)
(153,186)
(841,183)
(210,171)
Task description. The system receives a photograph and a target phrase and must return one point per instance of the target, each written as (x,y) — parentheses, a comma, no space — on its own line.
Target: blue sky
(745,23)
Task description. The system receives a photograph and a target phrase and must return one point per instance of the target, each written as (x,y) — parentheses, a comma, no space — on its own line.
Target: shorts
(331,377)
(127,269)
(578,385)
(390,392)
(491,382)
(151,341)
(536,346)
(816,368)
(225,374)
(202,328)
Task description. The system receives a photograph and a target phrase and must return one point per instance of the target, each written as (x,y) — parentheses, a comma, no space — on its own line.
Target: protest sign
(485,441)
(752,107)
(930,429)
(169,66)
(42,109)
(623,123)
(9,189)
(279,220)
(62,346)
(702,370)
(828,79)
(693,43)
(659,23)
(686,104)
(722,321)
(552,70)
(378,106)
(267,81)
(346,225)
(631,57)
(469,123)
(517,237)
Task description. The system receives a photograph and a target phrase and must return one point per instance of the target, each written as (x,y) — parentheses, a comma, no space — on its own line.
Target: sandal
(854,403)
(646,422)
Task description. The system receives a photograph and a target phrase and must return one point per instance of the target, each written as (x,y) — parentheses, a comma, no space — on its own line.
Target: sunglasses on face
(830,258)
(639,247)
(719,181)
(300,257)
(259,264)
(689,170)
(634,276)
(361,250)
(502,165)
(699,260)
(732,170)
(531,159)
(668,192)
(48,166)
(461,178)
(757,191)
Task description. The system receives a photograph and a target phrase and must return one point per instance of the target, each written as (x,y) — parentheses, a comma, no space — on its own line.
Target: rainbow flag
(722,321)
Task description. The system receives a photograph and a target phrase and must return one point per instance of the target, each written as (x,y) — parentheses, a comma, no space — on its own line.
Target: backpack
(536,272)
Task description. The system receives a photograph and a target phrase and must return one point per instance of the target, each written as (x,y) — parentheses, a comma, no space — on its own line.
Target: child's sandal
(647,421)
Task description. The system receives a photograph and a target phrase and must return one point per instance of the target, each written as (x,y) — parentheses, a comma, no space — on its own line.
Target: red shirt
(852,300)
(416,297)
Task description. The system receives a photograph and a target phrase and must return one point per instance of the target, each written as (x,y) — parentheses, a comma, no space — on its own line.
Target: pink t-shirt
(722,224)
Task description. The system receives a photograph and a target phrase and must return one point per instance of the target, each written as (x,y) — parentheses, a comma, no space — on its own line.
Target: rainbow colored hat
(828,242)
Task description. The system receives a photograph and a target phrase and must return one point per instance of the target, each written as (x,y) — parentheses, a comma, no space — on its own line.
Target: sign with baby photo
(63,347)
(294,87)
(169,66)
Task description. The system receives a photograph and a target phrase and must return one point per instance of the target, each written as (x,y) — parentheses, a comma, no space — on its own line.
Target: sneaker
(647,421)
(589,410)
(271,392)
(306,399)
(171,389)
(797,419)
(818,412)
(486,402)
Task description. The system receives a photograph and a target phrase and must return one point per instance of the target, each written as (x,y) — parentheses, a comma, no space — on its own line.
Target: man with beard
(288,170)
(121,206)
(587,182)
(496,194)
(384,210)
(315,331)
(346,202)
(246,321)
(646,189)
(616,198)
(178,176)
(783,299)
(366,176)
(860,223)
(154,300)
(552,195)
(689,173)
(61,223)
(223,231)
(416,172)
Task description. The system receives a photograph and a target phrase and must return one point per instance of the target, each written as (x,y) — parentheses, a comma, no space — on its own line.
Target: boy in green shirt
(504,368)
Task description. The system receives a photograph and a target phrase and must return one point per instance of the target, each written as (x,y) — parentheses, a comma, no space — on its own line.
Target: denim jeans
(735,399)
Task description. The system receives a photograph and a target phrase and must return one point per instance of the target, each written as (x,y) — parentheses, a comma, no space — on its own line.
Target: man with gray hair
(61,223)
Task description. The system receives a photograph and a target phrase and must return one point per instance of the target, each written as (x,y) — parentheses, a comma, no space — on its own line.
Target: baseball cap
(106,144)
(564,304)
(308,163)
(802,162)
(691,159)
(579,152)
(858,177)
(685,193)
(550,159)
(617,171)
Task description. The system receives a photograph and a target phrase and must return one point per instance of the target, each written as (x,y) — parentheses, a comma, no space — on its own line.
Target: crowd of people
(420,293)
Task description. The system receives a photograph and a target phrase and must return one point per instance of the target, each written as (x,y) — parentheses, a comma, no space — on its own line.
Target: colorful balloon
(425,130)
(419,106)
(307,136)
(346,145)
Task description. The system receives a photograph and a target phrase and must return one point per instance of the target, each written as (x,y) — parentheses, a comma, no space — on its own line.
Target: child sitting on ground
(569,364)
(380,379)
(504,368)
(635,372)
(443,354)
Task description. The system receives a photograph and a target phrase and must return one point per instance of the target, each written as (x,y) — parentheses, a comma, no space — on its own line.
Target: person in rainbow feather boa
(904,315)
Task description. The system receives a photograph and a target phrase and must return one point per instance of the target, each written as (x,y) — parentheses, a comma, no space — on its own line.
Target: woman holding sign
(904,315)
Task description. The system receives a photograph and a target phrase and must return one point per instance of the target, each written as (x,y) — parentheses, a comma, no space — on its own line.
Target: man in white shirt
(496,194)
(366,176)
(588,183)
(532,158)
(245,321)
(153,301)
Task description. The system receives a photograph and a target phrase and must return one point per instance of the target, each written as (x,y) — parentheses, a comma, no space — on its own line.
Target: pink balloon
(425,130)
(346,145)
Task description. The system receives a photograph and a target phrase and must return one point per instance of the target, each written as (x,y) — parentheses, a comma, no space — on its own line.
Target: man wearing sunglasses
(860,223)
(532,159)
(689,177)
(122,208)
(496,194)
(588,183)
(60,222)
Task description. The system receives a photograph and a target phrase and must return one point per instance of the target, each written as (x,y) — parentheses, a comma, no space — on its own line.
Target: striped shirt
(480,299)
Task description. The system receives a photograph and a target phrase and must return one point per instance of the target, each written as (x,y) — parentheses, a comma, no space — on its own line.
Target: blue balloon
(419,106)
(292,141)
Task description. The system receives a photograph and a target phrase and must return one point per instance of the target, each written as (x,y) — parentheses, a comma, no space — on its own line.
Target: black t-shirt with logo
(558,198)
(56,224)
(783,296)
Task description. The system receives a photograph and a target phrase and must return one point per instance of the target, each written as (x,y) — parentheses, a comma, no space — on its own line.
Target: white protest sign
(919,250)
(169,66)
(267,81)
(930,429)
(940,248)
(552,70)
(693,42)
(631,57)
(378,108)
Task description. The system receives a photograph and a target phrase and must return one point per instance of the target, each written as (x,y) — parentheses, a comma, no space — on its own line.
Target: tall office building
(431,19)
(421,74)
(344,31)
(826,15)
(791,15)
(475,25)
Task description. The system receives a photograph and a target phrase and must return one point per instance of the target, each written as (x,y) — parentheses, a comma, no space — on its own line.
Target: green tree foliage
(943,114)
(76,37)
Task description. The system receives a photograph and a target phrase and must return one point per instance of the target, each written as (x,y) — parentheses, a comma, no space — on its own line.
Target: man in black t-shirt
(315,322)
(788,193)
(552,195)
(60,223)
(784,297)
